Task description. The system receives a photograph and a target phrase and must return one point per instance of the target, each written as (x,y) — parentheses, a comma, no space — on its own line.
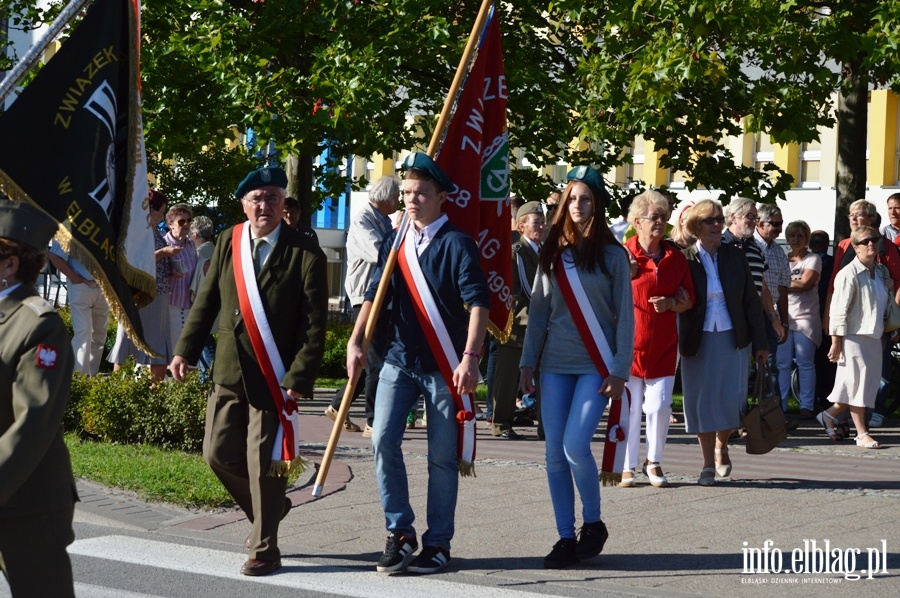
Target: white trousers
(90,315)
(654,398)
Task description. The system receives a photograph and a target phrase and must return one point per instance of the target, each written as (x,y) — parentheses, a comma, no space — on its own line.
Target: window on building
(560,170)
(763,151)
(810,163)
(635,170)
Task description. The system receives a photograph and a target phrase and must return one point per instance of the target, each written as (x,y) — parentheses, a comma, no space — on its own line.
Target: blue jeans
(398,391)
(571,410)
(800,348)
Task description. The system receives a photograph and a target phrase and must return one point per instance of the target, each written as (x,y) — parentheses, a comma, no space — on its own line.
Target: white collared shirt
(425,235)
(535,246)
(268,244)
(716,318)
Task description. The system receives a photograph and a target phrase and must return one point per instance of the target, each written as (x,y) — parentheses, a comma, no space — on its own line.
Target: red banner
(475,155)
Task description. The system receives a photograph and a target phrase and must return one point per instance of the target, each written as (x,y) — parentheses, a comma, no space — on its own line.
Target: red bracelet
(472,353)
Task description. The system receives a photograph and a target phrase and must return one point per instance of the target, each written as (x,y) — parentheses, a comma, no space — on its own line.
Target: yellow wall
(384,166)
(787,157)
(653,175)
(882,138)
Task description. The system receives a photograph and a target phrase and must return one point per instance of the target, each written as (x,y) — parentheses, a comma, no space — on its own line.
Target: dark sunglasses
(868,240)
(713,220)
(183,221)
(777,224)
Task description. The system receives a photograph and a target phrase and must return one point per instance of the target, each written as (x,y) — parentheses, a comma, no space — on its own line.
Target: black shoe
(431,560)
(510,435)
(591,540)
(562,555)
(398,552)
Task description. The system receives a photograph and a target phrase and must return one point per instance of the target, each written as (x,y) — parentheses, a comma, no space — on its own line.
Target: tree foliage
(368,76)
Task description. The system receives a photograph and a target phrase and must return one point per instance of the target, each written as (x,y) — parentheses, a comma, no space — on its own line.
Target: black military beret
(421,161)
(591,178)
(268,176)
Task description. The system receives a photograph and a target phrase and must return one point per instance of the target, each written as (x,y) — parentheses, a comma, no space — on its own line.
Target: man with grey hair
(367,232)
(778,274)
(741,216)
(267,288)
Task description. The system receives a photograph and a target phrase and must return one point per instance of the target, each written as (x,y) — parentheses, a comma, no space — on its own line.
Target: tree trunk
(853,108)
(300,183)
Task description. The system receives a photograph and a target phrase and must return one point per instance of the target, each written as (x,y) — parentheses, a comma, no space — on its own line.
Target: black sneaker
(431,560)
(591,539)
(562,555)
(398,551)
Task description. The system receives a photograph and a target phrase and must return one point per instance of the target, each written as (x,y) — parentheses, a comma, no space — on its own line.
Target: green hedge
(126,407)
(334,364)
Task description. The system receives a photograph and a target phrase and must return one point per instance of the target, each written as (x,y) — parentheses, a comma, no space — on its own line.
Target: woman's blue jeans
(571,409)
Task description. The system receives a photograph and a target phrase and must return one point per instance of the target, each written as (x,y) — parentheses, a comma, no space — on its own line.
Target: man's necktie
(257,262)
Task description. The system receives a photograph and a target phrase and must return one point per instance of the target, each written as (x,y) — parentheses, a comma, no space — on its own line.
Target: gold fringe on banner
(282,469)
(610,479)
(466,469)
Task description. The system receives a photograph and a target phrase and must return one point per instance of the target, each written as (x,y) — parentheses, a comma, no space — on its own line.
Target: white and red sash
(441,347)
(285,453)
(601,354)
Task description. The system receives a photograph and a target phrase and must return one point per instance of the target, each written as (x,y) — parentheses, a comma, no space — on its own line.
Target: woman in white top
(862,290)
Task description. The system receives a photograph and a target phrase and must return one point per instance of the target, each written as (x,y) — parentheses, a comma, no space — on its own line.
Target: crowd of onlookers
(791,316)
(752,281)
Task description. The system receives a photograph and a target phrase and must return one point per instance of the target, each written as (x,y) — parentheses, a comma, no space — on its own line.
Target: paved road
(680,541)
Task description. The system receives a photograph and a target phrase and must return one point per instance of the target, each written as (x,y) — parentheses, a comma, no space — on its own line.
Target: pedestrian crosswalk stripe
(294,574)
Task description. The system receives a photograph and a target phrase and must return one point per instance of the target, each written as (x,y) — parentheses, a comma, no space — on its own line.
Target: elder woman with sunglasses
(862,290)
(662,288)
(178,219)
(715,337)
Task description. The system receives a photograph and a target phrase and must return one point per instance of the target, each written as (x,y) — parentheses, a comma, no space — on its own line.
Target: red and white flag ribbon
(285,453)
(601,354)
(441,347)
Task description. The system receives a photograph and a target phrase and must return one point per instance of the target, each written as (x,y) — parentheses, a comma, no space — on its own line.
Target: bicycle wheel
(795,383)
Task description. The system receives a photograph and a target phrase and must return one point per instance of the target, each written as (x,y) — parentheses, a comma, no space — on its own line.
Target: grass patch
(155,474)
(334,383)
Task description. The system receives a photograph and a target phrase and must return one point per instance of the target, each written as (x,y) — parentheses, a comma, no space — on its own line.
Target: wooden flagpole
(391,262)
(18,72)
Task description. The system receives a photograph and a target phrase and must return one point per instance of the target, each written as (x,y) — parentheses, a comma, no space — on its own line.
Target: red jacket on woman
(655,334)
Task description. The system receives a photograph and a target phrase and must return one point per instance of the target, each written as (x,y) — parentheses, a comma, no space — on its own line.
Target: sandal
(657,481)
(707,477)
(827,421)
(723,469)
(627,482)
(867,444)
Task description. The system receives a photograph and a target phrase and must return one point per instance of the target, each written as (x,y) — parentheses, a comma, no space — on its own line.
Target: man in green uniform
(243,419)
(37,490)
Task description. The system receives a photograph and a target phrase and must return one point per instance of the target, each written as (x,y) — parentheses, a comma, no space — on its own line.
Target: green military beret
(268,176)
(592,179)
(22,222)
(530,207)
(421,161)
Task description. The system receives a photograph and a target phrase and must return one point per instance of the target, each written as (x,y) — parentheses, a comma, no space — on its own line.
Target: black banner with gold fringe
(74,147)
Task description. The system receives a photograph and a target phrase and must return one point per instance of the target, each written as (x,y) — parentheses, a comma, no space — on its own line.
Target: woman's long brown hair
(588,247)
